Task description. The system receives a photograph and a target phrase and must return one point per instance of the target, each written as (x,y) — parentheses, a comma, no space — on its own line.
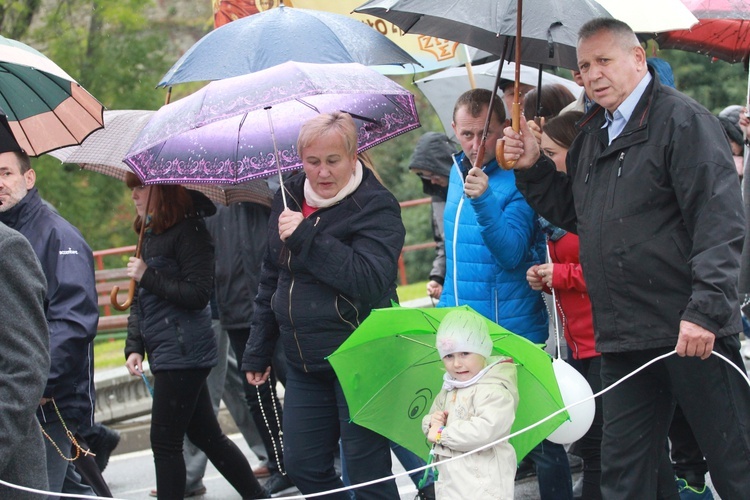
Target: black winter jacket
(70,306)
(170,318)
(659,217)
(239,234)
(338,265)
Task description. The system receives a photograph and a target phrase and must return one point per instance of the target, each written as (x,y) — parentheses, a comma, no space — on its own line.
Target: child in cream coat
(476,406)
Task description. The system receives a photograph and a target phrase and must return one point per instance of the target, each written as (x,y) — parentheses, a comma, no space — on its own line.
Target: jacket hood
(433,153)
(202,205)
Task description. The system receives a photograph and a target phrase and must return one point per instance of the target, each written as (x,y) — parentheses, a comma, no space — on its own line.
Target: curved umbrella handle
(125,305)
(515,123)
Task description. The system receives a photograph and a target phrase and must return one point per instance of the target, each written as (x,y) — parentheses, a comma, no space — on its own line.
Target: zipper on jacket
(289,312)
(455,249)
(588,174)
(620,161)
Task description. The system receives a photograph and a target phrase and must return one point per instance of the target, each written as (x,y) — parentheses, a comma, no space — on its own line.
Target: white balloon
(573,388)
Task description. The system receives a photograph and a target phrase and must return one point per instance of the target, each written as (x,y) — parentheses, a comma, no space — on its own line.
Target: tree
(118,50)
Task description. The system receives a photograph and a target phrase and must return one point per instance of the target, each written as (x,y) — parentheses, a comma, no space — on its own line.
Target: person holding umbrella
(491,239)
(653,194)
(170,319)
(332,257)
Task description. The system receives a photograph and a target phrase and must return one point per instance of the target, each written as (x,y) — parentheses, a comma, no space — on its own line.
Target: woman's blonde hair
(169,204)
(338,121)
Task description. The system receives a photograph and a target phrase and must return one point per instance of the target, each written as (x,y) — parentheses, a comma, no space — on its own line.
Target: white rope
(442,462)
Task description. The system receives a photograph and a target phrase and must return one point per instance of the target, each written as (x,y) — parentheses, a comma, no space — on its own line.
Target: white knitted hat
(463,331)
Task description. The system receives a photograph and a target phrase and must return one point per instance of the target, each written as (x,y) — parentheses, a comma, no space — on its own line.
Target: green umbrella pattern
(390,371)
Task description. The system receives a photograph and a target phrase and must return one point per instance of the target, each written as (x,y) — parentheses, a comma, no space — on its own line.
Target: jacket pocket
(347,311)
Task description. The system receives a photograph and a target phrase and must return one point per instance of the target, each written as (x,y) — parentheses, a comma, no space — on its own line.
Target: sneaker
(278,484)
(199,492)
(688,492)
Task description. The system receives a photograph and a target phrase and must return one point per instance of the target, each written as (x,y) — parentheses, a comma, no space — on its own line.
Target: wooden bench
(109,317)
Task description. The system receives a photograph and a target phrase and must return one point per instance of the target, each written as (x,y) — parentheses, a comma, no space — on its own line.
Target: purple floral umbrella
(246,127)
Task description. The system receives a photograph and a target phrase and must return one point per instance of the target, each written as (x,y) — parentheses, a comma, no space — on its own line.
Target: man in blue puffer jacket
(491,238)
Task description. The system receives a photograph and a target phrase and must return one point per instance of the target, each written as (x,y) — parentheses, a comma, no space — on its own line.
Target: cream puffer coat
(477,415)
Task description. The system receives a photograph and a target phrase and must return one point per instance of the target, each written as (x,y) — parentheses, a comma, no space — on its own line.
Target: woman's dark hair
(554,98)
(562,128)
(169,204)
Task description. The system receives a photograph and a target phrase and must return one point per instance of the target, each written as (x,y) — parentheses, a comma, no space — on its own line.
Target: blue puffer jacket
(490,242)
(170,318)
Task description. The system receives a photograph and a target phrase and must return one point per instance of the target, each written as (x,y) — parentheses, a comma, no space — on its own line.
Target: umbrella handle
(500,146)
(131,288)
(125,305)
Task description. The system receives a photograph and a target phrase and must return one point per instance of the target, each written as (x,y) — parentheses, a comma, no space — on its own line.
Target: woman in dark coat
(331,258)
(170,319)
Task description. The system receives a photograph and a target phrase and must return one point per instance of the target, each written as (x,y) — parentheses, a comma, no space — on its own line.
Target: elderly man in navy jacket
(70,307)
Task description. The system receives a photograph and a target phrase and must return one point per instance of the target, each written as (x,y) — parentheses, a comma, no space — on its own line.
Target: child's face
(462,366)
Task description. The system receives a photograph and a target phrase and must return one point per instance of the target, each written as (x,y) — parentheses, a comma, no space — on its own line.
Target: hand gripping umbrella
(246,127)
(547,34)
(390,372)
(104,149)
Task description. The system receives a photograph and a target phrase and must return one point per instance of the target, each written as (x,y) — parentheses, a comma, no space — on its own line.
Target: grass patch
(412,291)
(109,353)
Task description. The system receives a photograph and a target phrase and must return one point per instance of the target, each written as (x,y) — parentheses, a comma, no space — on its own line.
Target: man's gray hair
(614,26)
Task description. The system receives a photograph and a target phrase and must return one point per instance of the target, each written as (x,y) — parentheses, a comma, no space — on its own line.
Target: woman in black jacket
(170,319)
(331,258)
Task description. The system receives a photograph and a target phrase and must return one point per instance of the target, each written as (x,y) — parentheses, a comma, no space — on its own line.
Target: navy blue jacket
(339,264)
(70,306)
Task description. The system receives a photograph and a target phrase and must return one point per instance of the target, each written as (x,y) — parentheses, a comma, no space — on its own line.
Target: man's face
(13,184)
(436,179)
(508,95)
(468,130)
(609,69)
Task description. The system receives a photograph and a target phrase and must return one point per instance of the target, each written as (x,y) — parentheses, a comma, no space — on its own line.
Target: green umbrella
(390,372)
(46,108)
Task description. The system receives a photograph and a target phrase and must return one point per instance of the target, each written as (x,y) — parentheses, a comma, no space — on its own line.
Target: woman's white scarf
(450,383)
(316,201)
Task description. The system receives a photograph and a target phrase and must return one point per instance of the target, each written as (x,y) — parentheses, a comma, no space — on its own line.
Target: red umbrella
(723,30)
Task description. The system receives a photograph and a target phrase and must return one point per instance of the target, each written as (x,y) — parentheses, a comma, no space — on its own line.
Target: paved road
(131,477)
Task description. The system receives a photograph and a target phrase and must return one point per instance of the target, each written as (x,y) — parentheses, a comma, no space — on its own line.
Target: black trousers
(715,400)
(182,406)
